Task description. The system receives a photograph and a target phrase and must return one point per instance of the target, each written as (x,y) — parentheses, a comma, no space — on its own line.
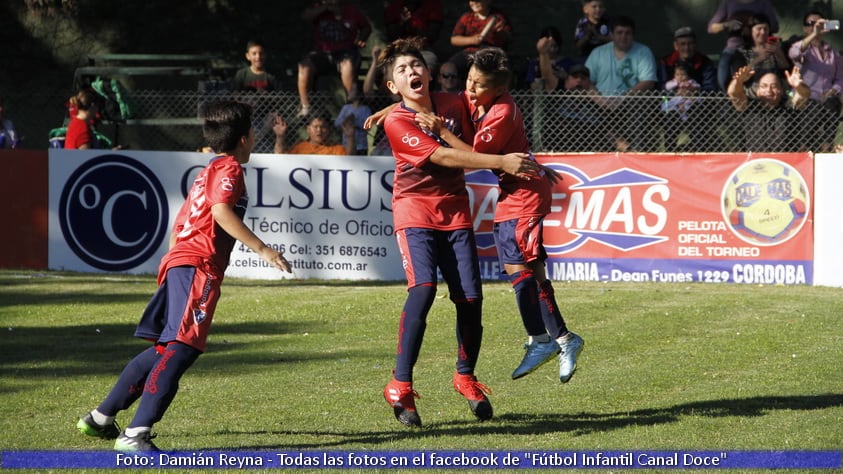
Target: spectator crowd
(612,82)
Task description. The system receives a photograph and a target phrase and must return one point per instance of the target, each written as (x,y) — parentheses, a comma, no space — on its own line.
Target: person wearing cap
(697,121)
(699,66)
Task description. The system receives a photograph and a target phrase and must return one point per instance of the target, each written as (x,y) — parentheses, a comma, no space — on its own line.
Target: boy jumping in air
(433,225)
(522,205)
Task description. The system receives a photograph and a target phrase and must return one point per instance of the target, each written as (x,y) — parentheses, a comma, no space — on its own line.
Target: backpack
(116,105)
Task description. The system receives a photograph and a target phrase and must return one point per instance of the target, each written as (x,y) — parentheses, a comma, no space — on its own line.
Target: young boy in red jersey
(178,316)
(519,214)
(433,225)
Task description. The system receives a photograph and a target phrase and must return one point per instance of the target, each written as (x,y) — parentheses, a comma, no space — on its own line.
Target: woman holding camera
(731,16)
(761,51)
(821,66)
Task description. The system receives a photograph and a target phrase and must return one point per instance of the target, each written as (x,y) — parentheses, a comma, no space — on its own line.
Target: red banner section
(669,218)
(25,192)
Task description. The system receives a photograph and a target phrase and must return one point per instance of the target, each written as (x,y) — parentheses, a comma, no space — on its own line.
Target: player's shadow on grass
(578,424)
(67,350)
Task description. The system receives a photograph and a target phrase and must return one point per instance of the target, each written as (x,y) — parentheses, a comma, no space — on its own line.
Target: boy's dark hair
(399,47)
(623,20)
(254,42)
(553,32)
(83,99)
(225,123)
(493,63)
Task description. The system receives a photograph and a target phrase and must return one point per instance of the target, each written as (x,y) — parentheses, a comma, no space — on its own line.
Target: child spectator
(483,25)
(340,30)
(254,77)
(414,18)
(178,317)
(684,89)
(80,131)
(356,112)
(699,66)
(593,29)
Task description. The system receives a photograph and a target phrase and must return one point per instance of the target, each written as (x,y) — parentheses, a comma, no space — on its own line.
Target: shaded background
(44,41)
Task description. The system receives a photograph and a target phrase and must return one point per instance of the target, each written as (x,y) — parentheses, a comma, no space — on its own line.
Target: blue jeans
(724,72)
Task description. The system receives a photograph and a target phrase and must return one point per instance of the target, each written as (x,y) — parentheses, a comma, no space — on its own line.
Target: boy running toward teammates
(433,225)
(522,205)
(178,317)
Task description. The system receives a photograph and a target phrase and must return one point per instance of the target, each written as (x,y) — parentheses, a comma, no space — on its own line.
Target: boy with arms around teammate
(433,225)
(522,205)
(178,317)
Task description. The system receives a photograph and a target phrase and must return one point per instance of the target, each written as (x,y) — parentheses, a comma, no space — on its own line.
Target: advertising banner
(331,216)
(718,218)
(725,218)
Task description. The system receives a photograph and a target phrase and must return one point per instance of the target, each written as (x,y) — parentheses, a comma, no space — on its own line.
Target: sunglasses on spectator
(810,22)
(448,76)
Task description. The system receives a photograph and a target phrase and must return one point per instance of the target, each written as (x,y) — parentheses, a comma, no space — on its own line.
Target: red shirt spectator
(408,18)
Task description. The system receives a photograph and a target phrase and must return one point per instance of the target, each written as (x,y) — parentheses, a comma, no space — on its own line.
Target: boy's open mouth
(416,84)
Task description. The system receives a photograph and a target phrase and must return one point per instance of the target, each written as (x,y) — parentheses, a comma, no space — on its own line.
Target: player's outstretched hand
(276,259)
(551,174)
(375,119)
(378,117)
(520,165)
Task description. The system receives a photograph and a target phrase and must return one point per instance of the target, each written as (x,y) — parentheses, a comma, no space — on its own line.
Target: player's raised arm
(378,117)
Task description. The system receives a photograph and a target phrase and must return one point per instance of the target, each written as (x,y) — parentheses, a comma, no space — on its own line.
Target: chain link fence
(555,122)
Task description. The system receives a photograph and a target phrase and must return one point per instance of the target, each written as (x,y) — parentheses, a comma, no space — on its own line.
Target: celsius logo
(113,212)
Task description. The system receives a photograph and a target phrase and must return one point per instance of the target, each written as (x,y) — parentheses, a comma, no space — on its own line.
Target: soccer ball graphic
(765,202)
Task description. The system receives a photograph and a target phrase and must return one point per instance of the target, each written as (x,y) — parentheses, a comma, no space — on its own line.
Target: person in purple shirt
(821,66)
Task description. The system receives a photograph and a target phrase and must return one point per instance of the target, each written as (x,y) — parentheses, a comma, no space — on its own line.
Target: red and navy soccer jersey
(200,242)
(424,194)
(500,131)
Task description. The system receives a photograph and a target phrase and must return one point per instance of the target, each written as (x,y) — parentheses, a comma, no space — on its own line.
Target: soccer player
(433,225)
(178,316)
(522,205)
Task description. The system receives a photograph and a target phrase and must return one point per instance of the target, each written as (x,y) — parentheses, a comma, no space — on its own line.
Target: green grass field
(301,365)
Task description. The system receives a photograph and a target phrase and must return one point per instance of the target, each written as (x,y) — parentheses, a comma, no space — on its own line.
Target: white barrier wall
(828,220)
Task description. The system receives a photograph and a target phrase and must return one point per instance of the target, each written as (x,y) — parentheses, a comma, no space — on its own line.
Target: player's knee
(425,293)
